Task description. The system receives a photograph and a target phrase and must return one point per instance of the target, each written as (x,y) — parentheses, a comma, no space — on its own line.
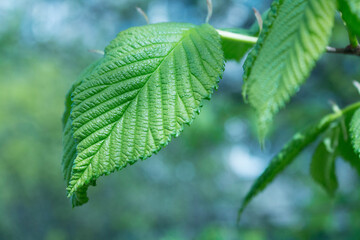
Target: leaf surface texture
(295,34)
(150,83)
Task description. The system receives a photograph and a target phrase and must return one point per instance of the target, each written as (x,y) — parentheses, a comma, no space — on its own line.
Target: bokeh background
(192,188)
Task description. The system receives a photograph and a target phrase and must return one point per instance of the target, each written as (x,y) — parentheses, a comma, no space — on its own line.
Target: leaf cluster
(152,80)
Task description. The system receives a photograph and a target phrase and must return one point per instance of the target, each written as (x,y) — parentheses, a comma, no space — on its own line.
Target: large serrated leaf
(350,10)
(295,34)
(150,83)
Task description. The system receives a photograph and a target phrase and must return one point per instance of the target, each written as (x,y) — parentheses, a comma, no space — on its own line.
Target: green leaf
(295,34)
(345,148)
(235,49)
(150,83)
(355,131)
(285,157)
(346,152)
(350,10)
(69,145)
(322,167)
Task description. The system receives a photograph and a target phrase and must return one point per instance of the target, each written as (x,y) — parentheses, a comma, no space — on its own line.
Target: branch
(349,50)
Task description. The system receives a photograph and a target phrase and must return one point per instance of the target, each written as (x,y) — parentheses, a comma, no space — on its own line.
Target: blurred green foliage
(192,188)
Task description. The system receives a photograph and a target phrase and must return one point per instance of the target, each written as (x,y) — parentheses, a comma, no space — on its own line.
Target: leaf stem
(325,121)
(237,36)
(349,50)
(344,111)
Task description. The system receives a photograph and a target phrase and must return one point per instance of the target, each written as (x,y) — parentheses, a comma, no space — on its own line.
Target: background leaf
(235,49)
(322,167)
(291,150)
(350,10)
(284,158)
(345,148)
(295,34)
(150,83)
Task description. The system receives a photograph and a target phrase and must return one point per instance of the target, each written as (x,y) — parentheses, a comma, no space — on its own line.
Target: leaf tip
(239,214)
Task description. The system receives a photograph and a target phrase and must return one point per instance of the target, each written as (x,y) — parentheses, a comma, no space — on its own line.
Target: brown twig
(349,50)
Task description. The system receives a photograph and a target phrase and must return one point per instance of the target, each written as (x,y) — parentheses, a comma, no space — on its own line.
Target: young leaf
(295,34)
(322,167)
(350,10)
(355,131)
(150,83)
